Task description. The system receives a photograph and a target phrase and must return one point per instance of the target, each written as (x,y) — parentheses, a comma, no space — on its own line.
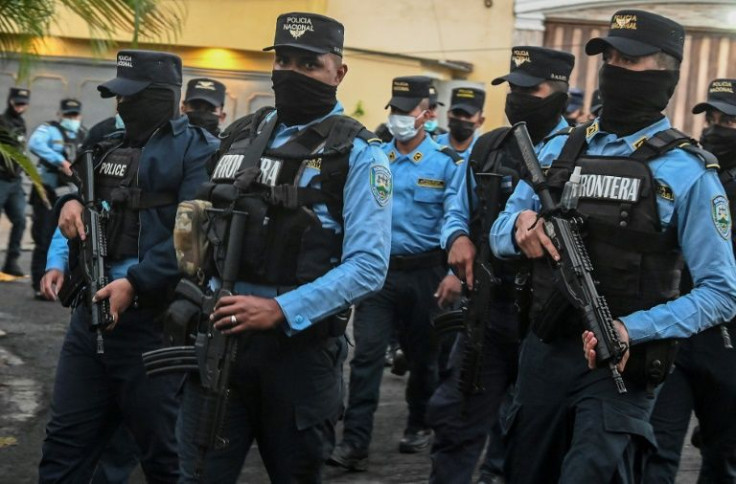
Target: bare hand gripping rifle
(574,271)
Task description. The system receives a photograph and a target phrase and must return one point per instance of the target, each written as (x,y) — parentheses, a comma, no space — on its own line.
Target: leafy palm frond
(13,155)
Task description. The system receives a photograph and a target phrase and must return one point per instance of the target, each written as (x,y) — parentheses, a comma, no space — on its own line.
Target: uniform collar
(427,146)
(179,125)
(561,125)
(634,140)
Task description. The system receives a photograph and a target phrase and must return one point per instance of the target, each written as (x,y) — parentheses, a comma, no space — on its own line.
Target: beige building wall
(384,39)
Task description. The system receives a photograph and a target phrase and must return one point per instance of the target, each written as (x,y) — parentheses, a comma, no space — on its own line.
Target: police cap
(638,33)
(206,89)
(433,98)
(467,99)
(408,91)
(309,31)
(138,69)
(19,95)
(576,99)
(721,96)
(530,66)
(70,106)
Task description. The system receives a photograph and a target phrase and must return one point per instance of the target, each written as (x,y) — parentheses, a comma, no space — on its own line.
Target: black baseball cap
(206,89)
(309,31)
(530,66)
(721,97)
(467,99)
(638,33)
(138,69)
(433,98)
(70,106)
(19,95)
(408,91)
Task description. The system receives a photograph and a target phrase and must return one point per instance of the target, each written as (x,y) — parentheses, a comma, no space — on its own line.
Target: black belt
(412,262)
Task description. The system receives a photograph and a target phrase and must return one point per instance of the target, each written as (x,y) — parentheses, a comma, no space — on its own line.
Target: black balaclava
(721,141)
(146,111)
(205,119)
(633,100)
(541,114)
(301,99)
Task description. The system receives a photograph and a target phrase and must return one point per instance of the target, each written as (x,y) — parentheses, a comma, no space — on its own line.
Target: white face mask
(402,127)
(71,124)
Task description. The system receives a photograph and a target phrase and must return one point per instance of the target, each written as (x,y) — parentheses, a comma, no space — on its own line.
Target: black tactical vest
(285,243)
(637,265)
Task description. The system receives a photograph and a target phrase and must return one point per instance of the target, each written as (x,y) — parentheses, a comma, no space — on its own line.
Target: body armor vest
(285,243)
(637,265)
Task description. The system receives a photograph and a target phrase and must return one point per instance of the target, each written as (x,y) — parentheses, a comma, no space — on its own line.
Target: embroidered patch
(417,156)
(381,184)
(429,183)
(591,130)
(665,192)
(314,163)
(721,216)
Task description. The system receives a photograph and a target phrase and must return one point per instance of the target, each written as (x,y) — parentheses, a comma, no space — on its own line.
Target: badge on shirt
(391,155)
(721,216)
(417,156)
(429,183)
(381,184)
(665,192)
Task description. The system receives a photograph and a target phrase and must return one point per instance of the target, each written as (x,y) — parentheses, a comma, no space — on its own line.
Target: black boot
(12,268)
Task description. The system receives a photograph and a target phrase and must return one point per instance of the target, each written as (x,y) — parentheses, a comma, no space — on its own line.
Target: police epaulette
(709,159)
(563,131)
(452,154)
(369,137)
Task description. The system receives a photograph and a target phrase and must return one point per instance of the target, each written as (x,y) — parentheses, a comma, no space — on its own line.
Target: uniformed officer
(651,204)
(574,113)
(56,144)
(320,244)
(12,197)
(426,177)
(703,379)
(463,120)
(432,125)
(204,104)
(461,423)
(160,161)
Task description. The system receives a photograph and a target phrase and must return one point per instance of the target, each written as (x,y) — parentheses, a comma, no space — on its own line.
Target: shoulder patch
(721,216)
(381,184)
(665,192)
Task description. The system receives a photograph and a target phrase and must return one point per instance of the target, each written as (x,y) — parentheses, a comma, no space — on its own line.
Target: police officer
(574,113)
(432,125)
(649,200)
(703,378)
(160,161)
(321,242)
(463,119)
(461,423)
(204,102)
(12,198)
(426,177)
(56,144)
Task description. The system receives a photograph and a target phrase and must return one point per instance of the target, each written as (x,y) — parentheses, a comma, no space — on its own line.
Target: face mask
(460,129)
(205,119)
(720,141)
(633,100)
(431,125)
(301,99)
(402,126)
(540,113)
(119,124)
(145,112)
(70,124)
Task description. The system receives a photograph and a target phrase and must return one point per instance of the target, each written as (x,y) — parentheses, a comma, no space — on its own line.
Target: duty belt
(413,262)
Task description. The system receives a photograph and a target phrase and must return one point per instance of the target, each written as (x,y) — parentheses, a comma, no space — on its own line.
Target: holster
(71,290)
(183,316)
(650,363)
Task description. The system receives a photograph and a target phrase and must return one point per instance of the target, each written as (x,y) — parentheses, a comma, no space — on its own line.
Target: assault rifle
(574,271)
(213,353)
(89,274)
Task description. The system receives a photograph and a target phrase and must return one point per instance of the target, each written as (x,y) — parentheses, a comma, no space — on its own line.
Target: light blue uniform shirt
(425,182)
(707,252)
(366,242)
(458,217)
(47,142)
(57,257)
(444,139)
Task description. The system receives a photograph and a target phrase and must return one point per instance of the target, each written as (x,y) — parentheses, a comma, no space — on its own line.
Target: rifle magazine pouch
(190,237)
(182,318)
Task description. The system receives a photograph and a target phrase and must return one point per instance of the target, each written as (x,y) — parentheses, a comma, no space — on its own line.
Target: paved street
(28,353)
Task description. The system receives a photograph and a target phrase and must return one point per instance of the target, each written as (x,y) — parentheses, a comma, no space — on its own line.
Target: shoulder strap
(669,139)
(573,147)
(564,131)
(454,156)
(483,147)
(727,176)
(241,128)
(61,129)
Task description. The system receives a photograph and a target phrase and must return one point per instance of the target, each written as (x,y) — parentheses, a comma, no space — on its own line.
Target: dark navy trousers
(407,304)
(704,380)
(95,394)
(462,423)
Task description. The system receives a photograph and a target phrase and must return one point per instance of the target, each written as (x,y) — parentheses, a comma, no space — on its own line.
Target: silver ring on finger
(233,320)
